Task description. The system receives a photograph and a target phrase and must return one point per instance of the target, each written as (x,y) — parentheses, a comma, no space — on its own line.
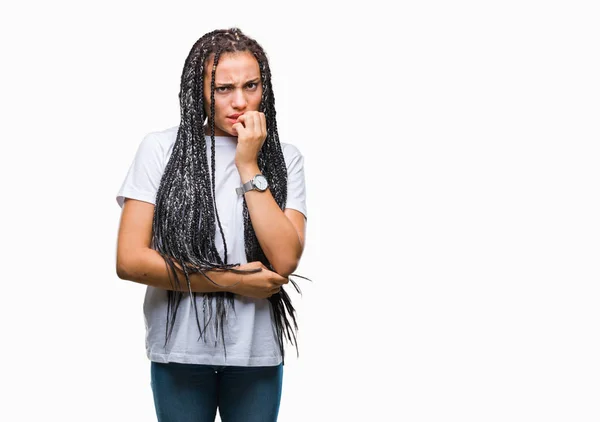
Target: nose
(238,100)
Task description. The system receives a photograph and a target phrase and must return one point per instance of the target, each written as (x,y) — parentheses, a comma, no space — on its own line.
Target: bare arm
(137,262)
(280,233)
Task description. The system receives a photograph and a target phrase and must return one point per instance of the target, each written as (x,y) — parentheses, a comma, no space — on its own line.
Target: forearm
(276,234)
(148,267)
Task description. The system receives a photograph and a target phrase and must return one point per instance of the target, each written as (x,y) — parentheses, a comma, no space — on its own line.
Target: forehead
(234,66)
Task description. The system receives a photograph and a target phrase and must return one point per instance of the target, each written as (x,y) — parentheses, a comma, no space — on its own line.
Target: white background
(451,153)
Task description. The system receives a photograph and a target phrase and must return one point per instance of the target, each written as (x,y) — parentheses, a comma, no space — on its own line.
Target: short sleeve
(296,189)
(144,174)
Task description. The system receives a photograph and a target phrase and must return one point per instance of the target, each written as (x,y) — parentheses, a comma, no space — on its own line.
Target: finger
(242,120)
(263,124)
(247,120)
(282,280)
(259,264)
(256,123)
(238,127)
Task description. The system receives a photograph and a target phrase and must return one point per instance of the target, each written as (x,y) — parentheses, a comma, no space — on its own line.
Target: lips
(235,116)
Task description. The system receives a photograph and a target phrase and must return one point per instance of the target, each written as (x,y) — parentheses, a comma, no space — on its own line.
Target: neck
(218,132)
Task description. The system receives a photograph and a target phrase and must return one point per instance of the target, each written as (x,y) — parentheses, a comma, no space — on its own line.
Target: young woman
(213,222)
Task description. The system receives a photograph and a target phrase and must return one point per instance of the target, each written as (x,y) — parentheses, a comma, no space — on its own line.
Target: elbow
(123,270)
(286,264)
(284,269)
(132,266)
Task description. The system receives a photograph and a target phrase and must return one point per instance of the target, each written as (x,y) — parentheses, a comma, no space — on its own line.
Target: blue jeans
(192,393)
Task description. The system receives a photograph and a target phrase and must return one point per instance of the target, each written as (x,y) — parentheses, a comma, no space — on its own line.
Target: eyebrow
(220,84)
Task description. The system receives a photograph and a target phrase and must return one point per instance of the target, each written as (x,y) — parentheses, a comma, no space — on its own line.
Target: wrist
(237,281)
(247,171)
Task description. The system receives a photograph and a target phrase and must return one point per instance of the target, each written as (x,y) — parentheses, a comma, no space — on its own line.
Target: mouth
(234,116)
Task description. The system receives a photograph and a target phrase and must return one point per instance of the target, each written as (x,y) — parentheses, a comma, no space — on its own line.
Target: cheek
(256,100)
(219,106)
(206,105)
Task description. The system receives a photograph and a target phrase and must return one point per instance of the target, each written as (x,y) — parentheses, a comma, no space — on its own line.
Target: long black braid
(185,214)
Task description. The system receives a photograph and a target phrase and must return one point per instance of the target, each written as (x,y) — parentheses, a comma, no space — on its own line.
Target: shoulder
(291,152)
(163,139)
(159,144)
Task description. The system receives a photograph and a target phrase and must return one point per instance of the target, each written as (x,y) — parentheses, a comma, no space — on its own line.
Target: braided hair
(185,215)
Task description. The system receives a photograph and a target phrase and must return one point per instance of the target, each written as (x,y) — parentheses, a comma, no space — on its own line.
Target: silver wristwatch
(258,182)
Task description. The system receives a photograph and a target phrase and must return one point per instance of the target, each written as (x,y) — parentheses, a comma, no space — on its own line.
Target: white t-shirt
(249,334)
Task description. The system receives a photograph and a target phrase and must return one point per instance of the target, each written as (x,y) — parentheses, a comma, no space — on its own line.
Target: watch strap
(246,187)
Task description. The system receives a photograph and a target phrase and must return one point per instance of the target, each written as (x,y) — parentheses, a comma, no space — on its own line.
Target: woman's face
(238,89)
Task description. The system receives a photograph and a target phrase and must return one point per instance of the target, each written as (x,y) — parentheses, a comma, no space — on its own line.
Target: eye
(221,89)
(252,85)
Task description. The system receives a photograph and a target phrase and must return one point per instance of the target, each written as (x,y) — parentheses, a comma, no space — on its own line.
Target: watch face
(260,182)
